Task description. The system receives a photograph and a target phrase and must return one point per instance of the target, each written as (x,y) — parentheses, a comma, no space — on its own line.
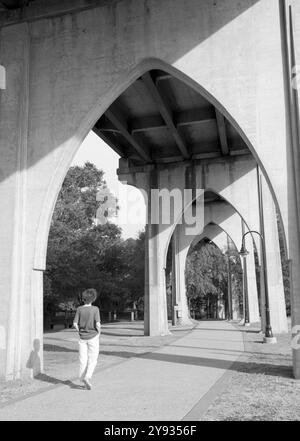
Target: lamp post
(246,298)
(229,287)
(245,286)
(229,290)
(269,338)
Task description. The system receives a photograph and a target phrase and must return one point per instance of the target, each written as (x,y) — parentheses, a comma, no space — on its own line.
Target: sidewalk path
(166,384)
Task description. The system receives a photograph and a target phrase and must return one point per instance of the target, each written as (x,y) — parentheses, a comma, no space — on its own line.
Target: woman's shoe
(87,383)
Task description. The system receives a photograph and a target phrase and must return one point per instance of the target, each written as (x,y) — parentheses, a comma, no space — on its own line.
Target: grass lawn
(261,387)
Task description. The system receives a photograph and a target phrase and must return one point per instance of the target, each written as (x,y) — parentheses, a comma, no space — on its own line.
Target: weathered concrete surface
(290,22)
(179,297)
(274,267)
(145,387)
(62,74)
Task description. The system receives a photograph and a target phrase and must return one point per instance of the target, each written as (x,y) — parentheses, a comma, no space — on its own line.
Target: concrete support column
(236,314)
(35,362)
(174,281)
(158,233)
(179,253)
(245,285)
(274,268)
(253,308)
(262,299)
(155,301)
(21,286)
(245,292)
(290,21)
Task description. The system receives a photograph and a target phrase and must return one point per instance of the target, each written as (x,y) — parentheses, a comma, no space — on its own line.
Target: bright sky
(94,150)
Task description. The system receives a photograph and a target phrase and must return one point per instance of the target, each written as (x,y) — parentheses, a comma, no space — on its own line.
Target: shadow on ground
(239,366)
(48,379)
(55,348)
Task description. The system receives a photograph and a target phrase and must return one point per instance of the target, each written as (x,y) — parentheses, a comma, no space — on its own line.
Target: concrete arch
(125,80)
(71,147)
(236,208)
(202,54)
(229,201)
(213,231)
(210,231)
(219,213)
(231,180)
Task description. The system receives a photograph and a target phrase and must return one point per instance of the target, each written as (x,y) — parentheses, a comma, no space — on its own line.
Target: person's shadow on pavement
(52,380)
(34,363)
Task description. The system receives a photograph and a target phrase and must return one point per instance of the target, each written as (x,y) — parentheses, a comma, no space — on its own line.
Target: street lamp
(269,338)
(243,252)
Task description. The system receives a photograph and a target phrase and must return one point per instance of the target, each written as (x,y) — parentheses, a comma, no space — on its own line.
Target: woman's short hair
(89,295)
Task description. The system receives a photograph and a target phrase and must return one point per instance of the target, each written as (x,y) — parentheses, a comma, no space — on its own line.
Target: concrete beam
(186,118)
(121,125)
(107,140)
(166,113)
(222,133)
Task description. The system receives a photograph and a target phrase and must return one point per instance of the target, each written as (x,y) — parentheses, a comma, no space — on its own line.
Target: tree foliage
(83,254)
(207,274)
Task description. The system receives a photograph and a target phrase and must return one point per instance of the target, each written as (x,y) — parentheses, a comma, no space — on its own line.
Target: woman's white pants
(88,356)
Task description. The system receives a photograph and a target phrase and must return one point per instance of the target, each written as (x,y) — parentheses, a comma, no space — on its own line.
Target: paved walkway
(170,383)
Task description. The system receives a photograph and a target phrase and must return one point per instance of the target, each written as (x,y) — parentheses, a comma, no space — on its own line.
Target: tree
(77,202)
(79,251)
(134,275)
(84,253)
(207,275)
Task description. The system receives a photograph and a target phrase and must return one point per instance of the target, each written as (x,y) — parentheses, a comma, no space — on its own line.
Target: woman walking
(87,324)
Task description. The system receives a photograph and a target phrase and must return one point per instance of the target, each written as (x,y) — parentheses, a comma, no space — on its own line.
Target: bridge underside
(160,120)
(190,95)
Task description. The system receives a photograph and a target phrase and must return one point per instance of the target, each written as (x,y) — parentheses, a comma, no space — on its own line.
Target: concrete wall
(292,62)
